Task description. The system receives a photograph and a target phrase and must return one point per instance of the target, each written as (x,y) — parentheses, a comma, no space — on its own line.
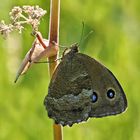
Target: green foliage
(115,42)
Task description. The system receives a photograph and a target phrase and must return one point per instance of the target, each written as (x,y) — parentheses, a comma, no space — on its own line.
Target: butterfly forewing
(103,81)
(80,88)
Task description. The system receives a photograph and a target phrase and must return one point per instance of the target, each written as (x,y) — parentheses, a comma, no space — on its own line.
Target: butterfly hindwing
(80,88)
(69,92)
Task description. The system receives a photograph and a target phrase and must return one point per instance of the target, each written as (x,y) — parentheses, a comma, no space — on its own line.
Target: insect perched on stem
(40,49)
(83,88)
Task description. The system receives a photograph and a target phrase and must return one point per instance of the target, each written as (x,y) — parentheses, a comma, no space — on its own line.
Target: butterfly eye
(110,93)
(94,97)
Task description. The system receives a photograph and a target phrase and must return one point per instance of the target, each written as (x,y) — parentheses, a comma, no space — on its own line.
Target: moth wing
(33,55)
(26,63)
(23,67)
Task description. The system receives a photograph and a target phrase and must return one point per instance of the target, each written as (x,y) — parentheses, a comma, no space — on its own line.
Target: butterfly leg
(38,62)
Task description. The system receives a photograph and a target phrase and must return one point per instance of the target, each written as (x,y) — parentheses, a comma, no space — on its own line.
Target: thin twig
(54,36)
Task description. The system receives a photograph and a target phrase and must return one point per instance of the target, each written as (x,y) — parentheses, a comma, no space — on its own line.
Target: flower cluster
(20,16)
(5,29)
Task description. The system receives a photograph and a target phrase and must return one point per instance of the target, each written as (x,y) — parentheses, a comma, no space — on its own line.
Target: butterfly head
(74,48)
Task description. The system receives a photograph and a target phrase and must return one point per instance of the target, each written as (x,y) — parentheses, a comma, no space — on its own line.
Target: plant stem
(54,30)
(54,37)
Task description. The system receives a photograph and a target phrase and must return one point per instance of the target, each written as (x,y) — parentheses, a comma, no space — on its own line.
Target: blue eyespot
(94,97)
(110,93)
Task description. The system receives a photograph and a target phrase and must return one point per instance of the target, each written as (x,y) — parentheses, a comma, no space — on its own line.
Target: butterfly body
(81,88)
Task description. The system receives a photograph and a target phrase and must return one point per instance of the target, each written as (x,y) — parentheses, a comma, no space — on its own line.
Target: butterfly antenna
(82,32)
(88,35)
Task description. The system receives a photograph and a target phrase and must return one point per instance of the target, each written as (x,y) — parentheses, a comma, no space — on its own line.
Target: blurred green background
(115,42)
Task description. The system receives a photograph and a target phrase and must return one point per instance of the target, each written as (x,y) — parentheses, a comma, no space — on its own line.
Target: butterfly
(83,88)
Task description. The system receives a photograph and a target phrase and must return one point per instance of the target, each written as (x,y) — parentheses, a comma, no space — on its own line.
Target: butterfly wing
(111,97)
(79,90)
(69,92)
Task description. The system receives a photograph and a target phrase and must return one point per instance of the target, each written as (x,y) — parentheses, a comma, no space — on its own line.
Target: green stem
(24,17)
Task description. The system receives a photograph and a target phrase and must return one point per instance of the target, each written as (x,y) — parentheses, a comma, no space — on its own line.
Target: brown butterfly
(82,88)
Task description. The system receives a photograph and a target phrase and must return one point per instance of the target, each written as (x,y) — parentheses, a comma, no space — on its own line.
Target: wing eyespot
(110,93)
(94,97)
